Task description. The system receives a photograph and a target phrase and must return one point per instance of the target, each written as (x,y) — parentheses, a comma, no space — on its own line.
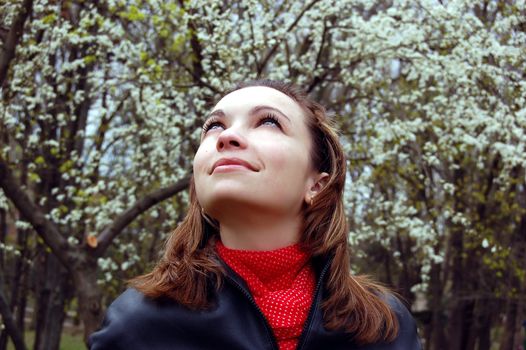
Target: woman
(261,260)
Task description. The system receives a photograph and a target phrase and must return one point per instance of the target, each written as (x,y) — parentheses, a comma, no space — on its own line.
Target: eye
(269,119)
(212,124)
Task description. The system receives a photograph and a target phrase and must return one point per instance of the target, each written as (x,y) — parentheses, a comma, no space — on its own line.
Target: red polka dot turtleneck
(282,283)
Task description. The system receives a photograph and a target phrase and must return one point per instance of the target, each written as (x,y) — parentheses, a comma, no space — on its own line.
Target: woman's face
(254,155)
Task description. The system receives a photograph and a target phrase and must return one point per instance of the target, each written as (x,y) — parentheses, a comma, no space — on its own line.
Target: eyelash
(209,123)
(214,121)
(270,117)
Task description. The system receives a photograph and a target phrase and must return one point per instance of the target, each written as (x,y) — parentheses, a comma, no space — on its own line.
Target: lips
(233,162)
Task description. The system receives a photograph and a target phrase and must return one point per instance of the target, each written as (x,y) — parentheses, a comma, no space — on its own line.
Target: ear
(317,183)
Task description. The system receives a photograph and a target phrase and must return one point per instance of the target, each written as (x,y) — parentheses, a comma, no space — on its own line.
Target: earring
(311,200)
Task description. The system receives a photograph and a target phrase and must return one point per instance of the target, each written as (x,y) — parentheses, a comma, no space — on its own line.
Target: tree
(70,135)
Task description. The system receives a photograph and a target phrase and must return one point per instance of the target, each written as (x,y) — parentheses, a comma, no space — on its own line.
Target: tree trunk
(405,281)
(18,292)
(22,300)
(486,310)
(89,296)
(387,267)
(51,301)
(456,314)
(437,339)
(484,336)
(507,339)
(514,306)
(8,321)
(520,255)
(520,335)
(469,330)
(15,297)
(3,235)
(458,305)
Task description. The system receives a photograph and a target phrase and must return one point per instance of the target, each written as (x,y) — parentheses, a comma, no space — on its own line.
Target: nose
(230,139)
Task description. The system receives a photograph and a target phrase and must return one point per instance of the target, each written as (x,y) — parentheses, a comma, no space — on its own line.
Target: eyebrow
(221,114)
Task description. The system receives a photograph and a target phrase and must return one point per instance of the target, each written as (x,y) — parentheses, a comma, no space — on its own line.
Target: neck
(261,232)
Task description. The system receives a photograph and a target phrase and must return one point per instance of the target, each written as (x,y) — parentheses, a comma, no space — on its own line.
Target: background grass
(67,342)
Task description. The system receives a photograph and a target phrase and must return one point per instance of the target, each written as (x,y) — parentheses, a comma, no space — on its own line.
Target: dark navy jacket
(135,322)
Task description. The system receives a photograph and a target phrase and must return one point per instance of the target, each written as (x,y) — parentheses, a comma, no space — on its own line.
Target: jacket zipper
(306,326)
(270,335)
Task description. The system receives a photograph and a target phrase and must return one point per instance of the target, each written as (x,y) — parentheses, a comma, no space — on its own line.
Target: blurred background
(101,110)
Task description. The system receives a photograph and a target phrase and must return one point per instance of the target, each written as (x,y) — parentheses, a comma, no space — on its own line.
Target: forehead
(246,98)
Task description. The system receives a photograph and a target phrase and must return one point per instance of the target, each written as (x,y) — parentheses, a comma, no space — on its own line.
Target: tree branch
(32,213)
(265,60)
(197,80)
(140,206)
(322,44)
(195,44)
(13,37)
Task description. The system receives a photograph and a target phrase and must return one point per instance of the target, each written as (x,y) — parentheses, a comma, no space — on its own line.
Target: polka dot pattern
(282,283)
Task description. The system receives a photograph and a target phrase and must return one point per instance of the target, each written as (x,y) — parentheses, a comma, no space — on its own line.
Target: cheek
(202,157)
(292,160)
(198,160)
(199,170)
(196,166)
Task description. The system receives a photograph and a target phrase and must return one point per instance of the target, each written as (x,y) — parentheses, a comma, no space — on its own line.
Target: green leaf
(133,14)
(90,59)
(66,166)
(33,177)
(49,19)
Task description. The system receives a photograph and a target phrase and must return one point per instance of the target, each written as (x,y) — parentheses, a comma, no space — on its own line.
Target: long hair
(189,272)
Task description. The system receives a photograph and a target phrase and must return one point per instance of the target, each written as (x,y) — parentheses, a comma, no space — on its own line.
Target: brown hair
(188,271)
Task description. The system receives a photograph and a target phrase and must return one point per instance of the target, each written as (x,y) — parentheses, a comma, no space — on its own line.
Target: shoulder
(129,301)
(128,306)
(124,319)
(398,307)
(407,338)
